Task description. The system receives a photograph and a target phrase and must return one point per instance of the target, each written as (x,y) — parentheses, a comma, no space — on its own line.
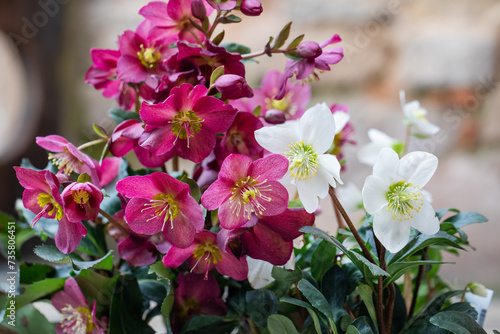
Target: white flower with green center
(368,153)
(304,143)
(393,195)
(415,116)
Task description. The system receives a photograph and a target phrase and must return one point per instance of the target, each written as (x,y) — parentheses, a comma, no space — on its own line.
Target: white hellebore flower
(415,117)
(368,153)
(304,143)
(393,195)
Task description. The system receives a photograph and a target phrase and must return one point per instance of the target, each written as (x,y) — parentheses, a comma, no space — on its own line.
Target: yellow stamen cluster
(65,161)
(45,199)
(246,194)
(208,251)
(185,124)
(76,321)
(405,199)
(303,161)
(164,206)
(81,196)
(149,57)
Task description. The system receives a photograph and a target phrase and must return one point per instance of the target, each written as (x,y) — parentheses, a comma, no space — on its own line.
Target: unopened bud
(275,116)
(251,7)
(233,87)
(198,9)
(309,50)
(477,289)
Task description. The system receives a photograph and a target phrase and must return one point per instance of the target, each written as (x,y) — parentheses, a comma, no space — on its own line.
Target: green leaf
(457,323)
(442,212)
(323,259)
(160,270)
(126,308)
(84,177)
(396,270)
(100,131)
(466,218)
(209,324)
(229,19)
(32,272)
(29,321)
(360,326)
(308,307)
(94,242)
(279,324)
(316,298)
(334,287)
(260,305)
(365,292)
(283,275)
(218,39)
(295,42)
(235,47)
(463,307)
(435,304)
(104,263)
(120,115)
(216,74)
(194,187)
(51,253)
(38,290)
(282,36)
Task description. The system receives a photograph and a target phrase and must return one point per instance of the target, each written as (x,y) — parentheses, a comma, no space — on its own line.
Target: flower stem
(113,221)
(92,143)
(360,241)
(407,139)
(418,280)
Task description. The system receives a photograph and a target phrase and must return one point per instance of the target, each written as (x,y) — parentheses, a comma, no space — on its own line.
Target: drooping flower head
(393,195)
(415,117)
(304,143)
(368,153)
(81,201)
(187,121)
(251,7)
(78,317)
(161,203)
(310,56)
(205,255)
(196,294)
(232,86)
(343,131)
(171,20)
(245,187)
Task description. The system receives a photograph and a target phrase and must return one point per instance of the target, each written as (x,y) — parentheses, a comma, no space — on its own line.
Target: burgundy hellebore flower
(311,56)
(240,139)
(68,158)
(102,75)
(81,201)
(171,20)
(245,187)
(233,87)
(187,121)
(126,136)
(196,294)
(204,255)
(78,318)
(251,7)
(161,203)
(269,238)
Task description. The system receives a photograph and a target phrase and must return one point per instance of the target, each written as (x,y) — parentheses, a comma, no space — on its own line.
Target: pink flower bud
(275,116)
(233,87)
(309,50)
(251,7)
(198,9)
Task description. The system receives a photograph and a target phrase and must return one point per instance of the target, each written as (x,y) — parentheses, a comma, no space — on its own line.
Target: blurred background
(443,53)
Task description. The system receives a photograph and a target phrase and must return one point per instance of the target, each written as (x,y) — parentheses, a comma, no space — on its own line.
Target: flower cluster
(263,159)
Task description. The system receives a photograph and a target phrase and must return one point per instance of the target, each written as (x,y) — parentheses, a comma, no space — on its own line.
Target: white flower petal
(385,167)
(417,167)
(425,220)
(374,197)
(380,138)
(409,110)
(368,153)
(276,138)
(259,273)
(426,128)
(329,165)
(317,128)
(308,194)
(394,235)
(350,197)
(341,118)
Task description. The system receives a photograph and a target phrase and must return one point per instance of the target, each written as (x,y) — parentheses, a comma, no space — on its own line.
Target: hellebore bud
(275,116)
(233,87)
(198,9)
(251,7)
(309,50)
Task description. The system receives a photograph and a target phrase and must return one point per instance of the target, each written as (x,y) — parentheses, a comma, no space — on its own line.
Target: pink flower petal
(68,236)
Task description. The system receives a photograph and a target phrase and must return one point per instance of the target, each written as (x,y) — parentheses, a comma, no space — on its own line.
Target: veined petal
(426,220)
(330,166)
(308,193)
(176,256)
(229,219)
(374,197)
(265,244)
(68,236)
(317,128)
(235,167)
(393,234)
(417,167)
(181,232)
(141,220)
(276,138)
(272,167)
(384,170)
(215,195)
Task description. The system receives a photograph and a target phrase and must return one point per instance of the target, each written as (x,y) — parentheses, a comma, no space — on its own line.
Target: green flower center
(405,199)
(164,205)
(81,196)
(76,321)
(186,124)
(246,195)
(47,201)
(303,161)
(149,57)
